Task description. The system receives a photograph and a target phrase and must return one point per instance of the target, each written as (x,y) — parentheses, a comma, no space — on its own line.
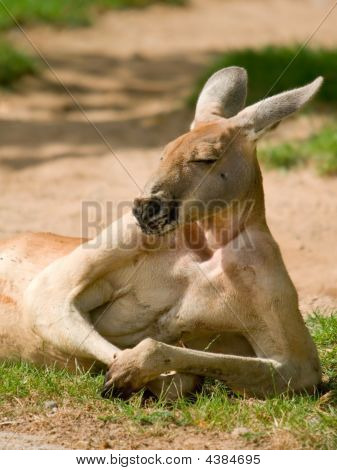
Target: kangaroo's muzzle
(155,215)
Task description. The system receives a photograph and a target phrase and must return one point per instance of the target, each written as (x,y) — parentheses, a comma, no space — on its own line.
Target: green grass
(25,380)
(310,420)
(14,64)
(320,150)
(324,332)
(64,12)
(265,69)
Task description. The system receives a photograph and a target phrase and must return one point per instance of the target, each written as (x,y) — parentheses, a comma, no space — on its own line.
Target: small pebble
(107,445)
(51,405)
(237,432)
(82,445)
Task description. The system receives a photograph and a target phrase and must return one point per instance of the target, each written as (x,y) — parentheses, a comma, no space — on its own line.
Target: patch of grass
(64,12)
(320,150)
(14,64)
(265,69)
(309,420)
(324,332)
(26,380)
(281,156)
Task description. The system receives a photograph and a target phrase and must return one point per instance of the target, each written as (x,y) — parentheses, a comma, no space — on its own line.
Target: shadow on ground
(126,103)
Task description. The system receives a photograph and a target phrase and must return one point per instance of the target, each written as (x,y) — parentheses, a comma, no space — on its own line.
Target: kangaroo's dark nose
(154,214)
(153,208)
(146,209)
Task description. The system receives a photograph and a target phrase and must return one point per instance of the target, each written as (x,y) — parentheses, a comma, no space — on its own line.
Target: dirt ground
(131,72)
(81,427)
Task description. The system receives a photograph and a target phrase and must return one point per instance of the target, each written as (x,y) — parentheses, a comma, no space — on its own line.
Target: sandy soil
(131,72)
(81,427)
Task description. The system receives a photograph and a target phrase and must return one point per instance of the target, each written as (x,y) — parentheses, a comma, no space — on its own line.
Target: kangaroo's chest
(166,297)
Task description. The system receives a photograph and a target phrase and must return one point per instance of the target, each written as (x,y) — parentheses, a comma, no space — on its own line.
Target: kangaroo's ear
(255,120)
(223,95)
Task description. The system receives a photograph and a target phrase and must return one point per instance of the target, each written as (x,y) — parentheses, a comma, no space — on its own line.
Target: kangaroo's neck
(227,224)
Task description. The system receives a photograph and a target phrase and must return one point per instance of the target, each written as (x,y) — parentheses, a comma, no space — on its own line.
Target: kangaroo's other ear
(265,114)
(223,95)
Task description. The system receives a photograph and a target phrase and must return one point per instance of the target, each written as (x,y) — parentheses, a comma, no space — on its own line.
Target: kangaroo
(189,284)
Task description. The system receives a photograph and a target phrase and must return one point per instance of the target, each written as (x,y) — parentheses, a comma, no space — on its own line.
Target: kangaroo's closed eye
(207,161)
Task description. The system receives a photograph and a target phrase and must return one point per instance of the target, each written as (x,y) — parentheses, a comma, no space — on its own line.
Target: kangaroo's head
(214,163)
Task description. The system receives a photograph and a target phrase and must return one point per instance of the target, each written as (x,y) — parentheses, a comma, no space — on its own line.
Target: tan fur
(204,302)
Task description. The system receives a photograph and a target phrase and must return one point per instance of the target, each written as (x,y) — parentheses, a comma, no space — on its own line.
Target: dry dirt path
(131,72)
